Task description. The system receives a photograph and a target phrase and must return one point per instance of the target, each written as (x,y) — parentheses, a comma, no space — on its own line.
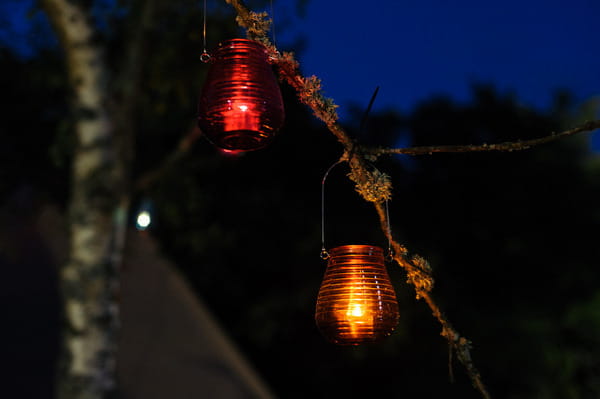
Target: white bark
(97,207)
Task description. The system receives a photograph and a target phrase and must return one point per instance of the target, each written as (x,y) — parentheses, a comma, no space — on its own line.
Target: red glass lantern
(357,302)
(240,107)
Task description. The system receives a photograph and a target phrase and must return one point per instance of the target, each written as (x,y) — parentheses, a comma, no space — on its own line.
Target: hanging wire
(273,25)
(388,226)
(204,57)
(390,254)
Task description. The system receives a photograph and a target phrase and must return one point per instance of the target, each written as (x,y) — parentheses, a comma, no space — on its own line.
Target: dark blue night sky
(416,49)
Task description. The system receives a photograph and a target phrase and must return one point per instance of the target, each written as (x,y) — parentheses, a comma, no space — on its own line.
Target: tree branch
(419,275)
(506,146)
(183,147)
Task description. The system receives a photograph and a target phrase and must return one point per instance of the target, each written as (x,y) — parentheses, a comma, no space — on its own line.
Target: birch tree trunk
(97,215)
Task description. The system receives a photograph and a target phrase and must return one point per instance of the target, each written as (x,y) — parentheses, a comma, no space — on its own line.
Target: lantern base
(331,331)
(242,140)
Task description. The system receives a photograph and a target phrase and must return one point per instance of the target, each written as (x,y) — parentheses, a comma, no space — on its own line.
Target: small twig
(506,146)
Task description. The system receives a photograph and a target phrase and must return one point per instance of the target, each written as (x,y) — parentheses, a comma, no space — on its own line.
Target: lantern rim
(241,41)
(357,248)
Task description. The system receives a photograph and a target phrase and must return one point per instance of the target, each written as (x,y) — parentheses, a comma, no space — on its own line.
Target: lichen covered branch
(506,146)
(419,275)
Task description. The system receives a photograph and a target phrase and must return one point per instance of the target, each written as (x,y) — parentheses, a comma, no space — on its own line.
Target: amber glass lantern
(357,302)
(240,107)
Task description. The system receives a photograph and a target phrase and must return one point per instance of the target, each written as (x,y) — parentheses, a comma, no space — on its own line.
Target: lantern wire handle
(324,253)
(204,57)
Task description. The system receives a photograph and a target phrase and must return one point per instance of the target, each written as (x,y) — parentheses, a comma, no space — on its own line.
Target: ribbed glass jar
(357,302)
(240,107)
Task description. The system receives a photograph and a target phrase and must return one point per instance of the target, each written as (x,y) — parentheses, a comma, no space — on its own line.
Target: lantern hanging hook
(204,57)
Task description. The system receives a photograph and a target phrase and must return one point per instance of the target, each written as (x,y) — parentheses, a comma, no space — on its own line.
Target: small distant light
(143,220)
